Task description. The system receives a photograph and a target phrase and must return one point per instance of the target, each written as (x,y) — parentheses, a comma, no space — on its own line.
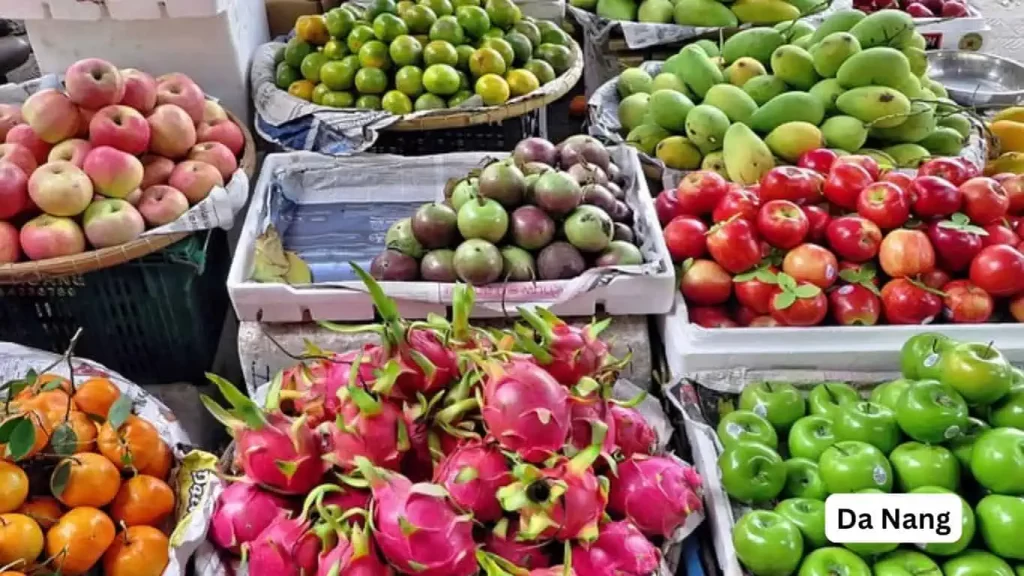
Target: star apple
(794,304)
(906,253)
(999,234)
(699,192)
(888,393)
(956,242)
(736,201)
(885,204)
(931,412)
(850,466)
(745,426)
(752,472)
(819,160)
(803,480)
(979,372)
(920,355)
(934,197)
(779,402)
(705,283)
(826,398)
(866,422)
(976,563)
(963,445)
(998,270)
(833,561)
(818,219)
(767,543)
(711,317)
(967,527)
(906,563)
(854,305)
(844,184)
(947,169)
(810,436)
(864,161)
(734,245)
(1000,519)
(811,263)
(854,238)
(685,238)
(918,465)
(789,183)
(997,460)
(985,201)
(1008,411)
(907,301)
(965,303)
(782,224)
(808,515)
(754,289)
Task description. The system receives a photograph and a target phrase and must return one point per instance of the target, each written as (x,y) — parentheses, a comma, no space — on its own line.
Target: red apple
(1017,307)
(736,201)
(764,322)
(802,305)
(10,116)
(10,245)
(819,160)
(934,197)
(818,219)
(999,270)
(181,91)
(744,315)
(47,236)
(161,205)
(139,90)
(685,238)
(782,224)
(114,174)
(711,317)
(899,179)
(74,151)
(754,289)
(965,303)
(790,183)
(120,127)
(666,205)
(999,234)
(919,10)
(956,242)
(20,156)
(60,189)
(854,238)
(906,253)
(885,204)
(811,263)
(213,111)
(949,169)
(93,83)
(954,10)
(854,305)
(229,134)
(1013,185)
(984,199)
(705,283)
(844,184)
(936,279)
(172,132)
(734,245)
(866,162)
(907,302)
(23,134)
(217,155)
(195,180)
(51,115)
(698,192)
(156,170)
(13,191)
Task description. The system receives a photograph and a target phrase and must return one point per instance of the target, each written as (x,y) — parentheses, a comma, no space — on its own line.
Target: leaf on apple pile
(272,263)
(762,274)
(791,291)
(927,288)
(961,222)
(863,276)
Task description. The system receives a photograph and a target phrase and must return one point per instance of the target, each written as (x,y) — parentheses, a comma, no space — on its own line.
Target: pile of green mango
(702,13)
(856,84)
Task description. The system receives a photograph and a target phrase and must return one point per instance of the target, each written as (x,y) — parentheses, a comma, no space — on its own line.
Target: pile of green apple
(953,423)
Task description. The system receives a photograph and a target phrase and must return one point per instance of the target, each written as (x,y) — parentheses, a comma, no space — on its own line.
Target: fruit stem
(453,412)
(585,459)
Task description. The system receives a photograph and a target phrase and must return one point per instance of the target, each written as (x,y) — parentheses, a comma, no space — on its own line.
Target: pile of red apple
(835,240)
(918,8)
(115,153)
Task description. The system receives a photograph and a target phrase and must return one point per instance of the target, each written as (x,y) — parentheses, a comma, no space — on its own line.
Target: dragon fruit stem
(586,458)
(243,408)
(453,412)
(369,471)
(533,318)
(360,541)
(463,299)
(632,402)
(368,405)
(495,565)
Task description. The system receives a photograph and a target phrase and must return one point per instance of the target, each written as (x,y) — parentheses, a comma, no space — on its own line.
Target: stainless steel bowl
(978,79)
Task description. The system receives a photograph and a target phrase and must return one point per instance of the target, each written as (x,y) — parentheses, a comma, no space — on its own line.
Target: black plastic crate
(500,137)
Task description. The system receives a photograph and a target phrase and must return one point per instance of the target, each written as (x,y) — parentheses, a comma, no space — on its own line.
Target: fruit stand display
(950,420)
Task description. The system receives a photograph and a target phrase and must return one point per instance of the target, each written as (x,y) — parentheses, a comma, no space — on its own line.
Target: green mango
(678,153)
(918,60)
(746,156)
(844,132)
(809,6)
(878,66)
(669,109)
(706,126)
(667,81)
(803,42)
(764,11)
(838,21)
(884,28)
(794,66)
(709,47)
(695,69)
(832,52)
(703,13)
(633,109)
(881,106)
(764,88)
(827,91)
(958,122)
(646,137)
(633,80)
(793,29)
(742,70)
(788,107)
(756,43)
(715,162)
(944,141)
(919,124)
(617,9)
(737,104)
(655,12)
(790,140)
(938,89)
(908,155)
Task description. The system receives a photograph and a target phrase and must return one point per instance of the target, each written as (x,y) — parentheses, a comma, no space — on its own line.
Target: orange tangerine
(95,396)
(45,510)
(132,446)
(92,480)
(77,541)
(13,487)
(142,500)
(138,551)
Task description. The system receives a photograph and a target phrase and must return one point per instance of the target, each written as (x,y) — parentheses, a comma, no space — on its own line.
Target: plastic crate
(155,320)
(500,137)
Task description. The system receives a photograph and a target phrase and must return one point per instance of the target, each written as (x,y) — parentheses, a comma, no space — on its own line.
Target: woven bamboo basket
(92,260)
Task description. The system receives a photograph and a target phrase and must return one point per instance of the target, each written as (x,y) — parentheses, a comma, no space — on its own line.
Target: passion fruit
(394,266)
(560,261)
(483,218)
(619,253)
(557,193)
(517,265)
(438,266)
(589,228)
(503,182)
(434,225)
(531,227)
(477,262)
(400,237)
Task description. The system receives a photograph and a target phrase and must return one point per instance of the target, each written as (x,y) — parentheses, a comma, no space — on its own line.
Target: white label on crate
(893,518)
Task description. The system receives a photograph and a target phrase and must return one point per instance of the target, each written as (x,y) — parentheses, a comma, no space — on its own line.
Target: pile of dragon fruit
(450,450)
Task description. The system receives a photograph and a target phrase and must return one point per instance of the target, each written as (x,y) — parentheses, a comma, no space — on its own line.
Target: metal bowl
(977,79)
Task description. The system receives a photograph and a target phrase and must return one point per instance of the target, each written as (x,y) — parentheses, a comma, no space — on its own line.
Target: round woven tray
(37,271)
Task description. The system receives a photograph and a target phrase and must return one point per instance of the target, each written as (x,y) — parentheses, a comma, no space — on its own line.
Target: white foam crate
(212,41)
(619,295)
(968,33)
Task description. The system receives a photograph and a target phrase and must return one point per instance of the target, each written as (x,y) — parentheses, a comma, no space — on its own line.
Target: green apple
(917,465)
(1008,411)
(906,563)
(1020,569)
(810,436)
(767,543)
(976,563)
(979,372)
(833,561)
(803,480)
(781,403)
(888,394)
(871,549)
(921,353)
(997,461)
(847,467)
(826,398)
(745,426)
(1018,377)
(963,445)
(752,472)
(867,422)
(967,527)
(931,412)
(1000,519)
(809,516)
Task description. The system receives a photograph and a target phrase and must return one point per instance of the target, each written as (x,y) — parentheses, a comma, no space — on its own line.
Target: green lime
(493,89)
(503,48)
(521,46)
(440,52)
(339,22)
(486,61)
(465,51)
(374,54)
(354,10)
(285,76)
(360,34)
(458,3)
(474,20)
(396,103)
(545,25)
(429,101)
(279,55)
(419,19)
(441,79)
(440,7)
(311,66)
(447,28)
(494,33)
(336,50)
(404,5)
(530,30)
(555,36)
(541,69)
(318,93)
(339,99)
(377,7)
(423,39)
(504,13)
(302,89)
(340,74)
(405,50)
(368,102)
(409,80)
(560,57)
(521,81)
(387,27)
(464,82)
(296,51)
(459,97)
(371,81)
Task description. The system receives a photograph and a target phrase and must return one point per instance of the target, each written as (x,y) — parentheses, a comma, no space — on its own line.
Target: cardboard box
(281,14)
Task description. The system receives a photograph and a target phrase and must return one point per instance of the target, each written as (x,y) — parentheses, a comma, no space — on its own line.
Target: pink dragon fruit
(586,411)
(472,474)
(272,449)
(525,409)
(354,555)
(416,528)
(568,353)
(242,512)
(288,547)
(656,493)
(559,570)
(503,541)
(338,501)
(565,501)
(365,426)
(633,435)
(313,388)
(620,550)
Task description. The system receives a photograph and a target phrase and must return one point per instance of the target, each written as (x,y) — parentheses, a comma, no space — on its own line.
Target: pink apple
(10,244)
(93,83)
(157,170)
(216,154)
(134,197)
(10,116)
(120,127)
(180,90)
(224,131)
(173,133)
(20,156)
(47,236)
(162,204)
(24,135)
(213,111)
(84,119)
(112,222)
(52,116)
(139,90)
(60,189)
(114,173)
(195,179)
(13,190)
(74,151)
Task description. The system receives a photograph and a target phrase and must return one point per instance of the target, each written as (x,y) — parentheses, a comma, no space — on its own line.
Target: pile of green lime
(404,56)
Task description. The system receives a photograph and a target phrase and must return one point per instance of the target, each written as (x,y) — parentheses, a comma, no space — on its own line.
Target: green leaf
(14,387)
(806,291)
(784,300)
(786,281)
(746,276)
(23,438)
(64,440)
(59,478)
(51,385)
(871,288)
(766,276)
(960,218)
(976,230)
(7,428)
(31,377)
(850,275)
(387,307)
(119,412)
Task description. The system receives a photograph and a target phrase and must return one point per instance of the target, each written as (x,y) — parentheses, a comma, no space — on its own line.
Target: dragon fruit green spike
(272,449)
(504,542)
(354,555)
(568,353)
(584,413)
(368,427)
(242,512)
(416,528)
(525,409)
(655,493)
(620,550)
(472,475)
